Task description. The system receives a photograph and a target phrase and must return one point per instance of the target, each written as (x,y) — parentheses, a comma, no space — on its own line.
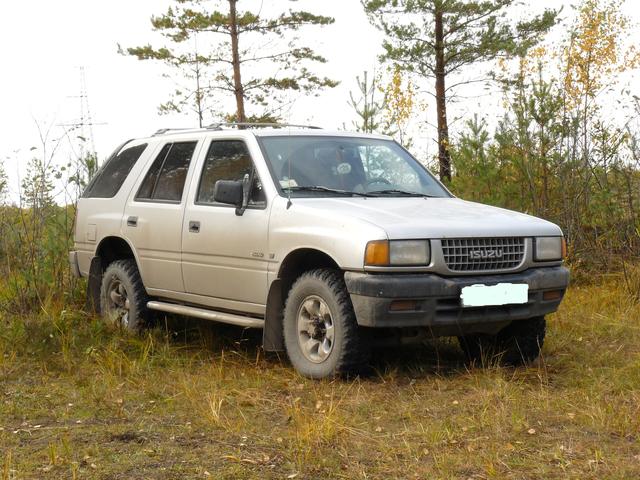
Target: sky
(43,44)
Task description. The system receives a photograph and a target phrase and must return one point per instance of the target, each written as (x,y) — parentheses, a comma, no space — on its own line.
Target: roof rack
(162,131)
(220,125)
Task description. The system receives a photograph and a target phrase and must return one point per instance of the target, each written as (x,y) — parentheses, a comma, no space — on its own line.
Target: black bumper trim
(438,299)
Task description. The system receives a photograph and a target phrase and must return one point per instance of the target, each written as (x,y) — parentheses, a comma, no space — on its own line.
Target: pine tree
(4,183)
(219,51)
(367,106)
(439,38)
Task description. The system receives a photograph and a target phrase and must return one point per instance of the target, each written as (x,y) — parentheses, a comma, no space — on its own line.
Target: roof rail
(162,131)
(220,125)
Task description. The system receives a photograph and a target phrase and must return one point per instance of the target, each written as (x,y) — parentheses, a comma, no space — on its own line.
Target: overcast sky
(43,42)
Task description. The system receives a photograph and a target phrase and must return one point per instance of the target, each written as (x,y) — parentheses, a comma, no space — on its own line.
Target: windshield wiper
(400,192)
(319,188)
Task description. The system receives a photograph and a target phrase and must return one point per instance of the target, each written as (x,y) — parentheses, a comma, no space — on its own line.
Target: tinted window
(110,178)
(227,160)
(149,183)
(165,179)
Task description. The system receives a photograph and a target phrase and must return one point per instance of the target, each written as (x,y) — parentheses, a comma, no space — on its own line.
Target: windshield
(333,166)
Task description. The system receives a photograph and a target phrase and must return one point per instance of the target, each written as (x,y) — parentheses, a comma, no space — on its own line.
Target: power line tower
(86,156)
(86,122)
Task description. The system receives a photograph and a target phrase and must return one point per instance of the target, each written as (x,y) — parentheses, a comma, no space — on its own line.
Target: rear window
(113,173)
(165,179)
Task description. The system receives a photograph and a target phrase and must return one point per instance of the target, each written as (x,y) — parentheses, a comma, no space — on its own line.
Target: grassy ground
(80,400)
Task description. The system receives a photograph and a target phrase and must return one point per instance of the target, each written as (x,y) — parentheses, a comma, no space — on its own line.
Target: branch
(460,26)
(466,82)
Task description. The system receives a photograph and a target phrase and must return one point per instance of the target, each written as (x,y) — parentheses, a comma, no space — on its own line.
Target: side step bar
(206,314)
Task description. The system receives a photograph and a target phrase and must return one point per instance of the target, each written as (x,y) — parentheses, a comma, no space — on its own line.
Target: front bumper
(437,300)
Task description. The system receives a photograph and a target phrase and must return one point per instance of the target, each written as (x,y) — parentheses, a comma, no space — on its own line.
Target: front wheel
(517,344)
(321,334)
(123,299)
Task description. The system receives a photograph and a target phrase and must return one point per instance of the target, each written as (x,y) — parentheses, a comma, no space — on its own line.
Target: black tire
(349,348)
(123,278)
(517,344)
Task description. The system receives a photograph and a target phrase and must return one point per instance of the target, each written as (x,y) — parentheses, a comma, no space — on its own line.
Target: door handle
(132,221)
(194,227)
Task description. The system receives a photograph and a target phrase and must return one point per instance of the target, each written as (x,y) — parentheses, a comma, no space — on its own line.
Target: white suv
(323,239)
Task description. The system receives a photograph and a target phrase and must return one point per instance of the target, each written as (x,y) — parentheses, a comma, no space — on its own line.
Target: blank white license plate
(501,294)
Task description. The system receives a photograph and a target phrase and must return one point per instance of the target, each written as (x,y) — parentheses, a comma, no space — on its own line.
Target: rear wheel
(321,334)
(517,344)
(123,299)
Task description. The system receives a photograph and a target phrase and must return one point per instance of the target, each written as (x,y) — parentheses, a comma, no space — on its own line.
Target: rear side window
(165,179)
(110,178)
(227,160)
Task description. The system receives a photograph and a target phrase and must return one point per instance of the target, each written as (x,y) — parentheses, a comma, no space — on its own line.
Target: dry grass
(79,400)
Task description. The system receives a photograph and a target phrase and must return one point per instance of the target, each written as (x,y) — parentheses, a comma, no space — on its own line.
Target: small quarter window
(228,160)
(110,178)
(165,179)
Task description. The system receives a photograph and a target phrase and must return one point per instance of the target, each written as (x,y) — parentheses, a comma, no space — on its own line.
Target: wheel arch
(294,264)
(110,249)
(113,248)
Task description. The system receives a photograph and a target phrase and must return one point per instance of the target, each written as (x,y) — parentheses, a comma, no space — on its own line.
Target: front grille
(481,254)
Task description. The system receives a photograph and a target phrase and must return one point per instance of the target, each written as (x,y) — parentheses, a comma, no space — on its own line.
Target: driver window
(227,160)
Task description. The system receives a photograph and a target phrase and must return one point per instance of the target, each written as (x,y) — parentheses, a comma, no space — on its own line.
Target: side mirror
(229,192)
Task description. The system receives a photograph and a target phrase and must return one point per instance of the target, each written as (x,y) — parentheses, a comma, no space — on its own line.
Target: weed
(95,402)
(215,408)
(6,468)
(631,275)
(52,450)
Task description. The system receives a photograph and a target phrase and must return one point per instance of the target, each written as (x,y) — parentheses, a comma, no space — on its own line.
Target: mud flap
(93,285)
(272,337)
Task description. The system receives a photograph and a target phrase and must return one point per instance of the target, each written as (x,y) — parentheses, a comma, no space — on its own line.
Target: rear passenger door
(153,215)
(225,255)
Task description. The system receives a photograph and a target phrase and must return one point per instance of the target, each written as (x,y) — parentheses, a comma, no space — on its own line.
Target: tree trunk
(199,96)
(545,171)
(235,60)
(444,157)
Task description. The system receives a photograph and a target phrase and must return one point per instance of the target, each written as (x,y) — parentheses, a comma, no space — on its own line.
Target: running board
(239,320)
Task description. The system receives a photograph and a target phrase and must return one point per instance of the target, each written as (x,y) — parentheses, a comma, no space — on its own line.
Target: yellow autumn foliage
(597,50)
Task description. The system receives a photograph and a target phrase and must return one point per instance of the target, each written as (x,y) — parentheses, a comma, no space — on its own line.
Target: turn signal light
(552,295)
(403,306)
(377,253)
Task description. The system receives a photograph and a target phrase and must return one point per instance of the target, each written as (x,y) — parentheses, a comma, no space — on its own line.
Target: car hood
(417,217)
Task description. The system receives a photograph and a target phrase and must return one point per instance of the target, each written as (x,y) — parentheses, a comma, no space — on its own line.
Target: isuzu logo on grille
(481,254)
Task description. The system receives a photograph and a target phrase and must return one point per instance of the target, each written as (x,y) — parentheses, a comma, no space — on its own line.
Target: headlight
(549,248)
(409,252)
(398,253)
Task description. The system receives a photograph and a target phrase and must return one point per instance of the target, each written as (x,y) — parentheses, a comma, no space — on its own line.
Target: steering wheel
(377,180)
